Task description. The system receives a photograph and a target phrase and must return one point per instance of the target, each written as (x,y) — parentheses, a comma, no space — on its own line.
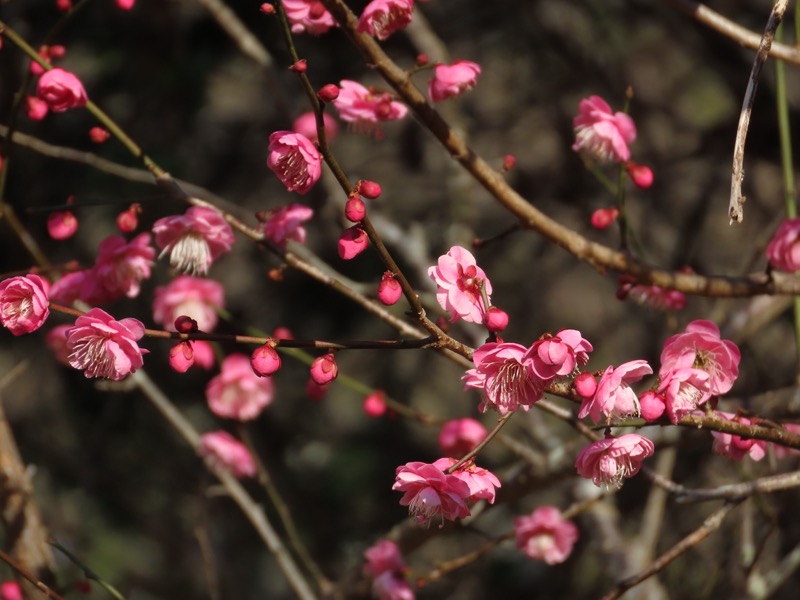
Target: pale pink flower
(429,493)
(306,124)
(452,80)
(701,340)
(585,384)
(783,250)
(482,482)
(459,436)
(460,283)
(61,224)
(546,535)
(610,460)
(61,90)
(286,223)
(102,347)
(99,135)
(389,586)
(237,392)
(295,160)
(614,397)
(308,16)
(56,340)
(194,240)
(193,297)
(221,448)
(504,378)
(735,447)
(684,390)
(10,590)
(381,18)
(383,556)
(364,108)
(602,134)
(24,303)
(557,355)
(785,451)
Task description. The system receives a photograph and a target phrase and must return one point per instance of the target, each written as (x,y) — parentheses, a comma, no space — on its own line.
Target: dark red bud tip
(300,66)
(184,324)
(328,93)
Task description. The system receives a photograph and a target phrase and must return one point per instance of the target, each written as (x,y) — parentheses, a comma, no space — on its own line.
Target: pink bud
(282,333)
(496,320)
(422,60)
(604,217)
(10,590)
(181,357)
(389,289)
(324,369)
(641,175)
(57,51)
(651,405)
(203,354)
(328,93)
(375,404)
(509,162)
(301,66)
(128,220)
(124,4)
(63,5)
(315,391)
(98,135)
(1,162)
(585,384)
(35,109)
(61,224)
(267,8)
(368,189)
(352,242)
(265,360)
(184,324)
(354,208)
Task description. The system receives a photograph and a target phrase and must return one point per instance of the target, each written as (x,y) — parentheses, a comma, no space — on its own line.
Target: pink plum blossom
(237,392)
(194,240)
(295,160)
(610,460)
(603,135)
(308,16)
(35,109)
(24,303)
(61,90)
(735,447)
(783,250)
(374,405)
(389,586)
(684,389)
(203,354)
(193,297)
(614,396)
(429,493)
(652,405)
(558,355)
(352,242)
(381,18)
(452,80)
(459,436)
(365,109)
(286,223)
(505,379)
(482,482)
(56,340)
(221,448)
(306,125)
(461,284)
(383,556)
(496,320)
(102,347)
(545,535)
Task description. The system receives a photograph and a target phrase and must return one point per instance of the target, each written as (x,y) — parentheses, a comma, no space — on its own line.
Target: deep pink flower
(375,404)
(381,18)
(61,90)
(459,282)
(352,242)
(308,15)
(459,436)
(10,590)
(602,134)
(383,556)
(684,389)
(783,250)
(125,4)
(614,396)
(24,304)
(195,239)
(56,340)
(102,347)
(429,493)
(545,535)
(221,448)
(610,460)
(504,378)
(389,289)
(652,405)
(61,224)
(286,223)
(641,175)
(99,135)
(389,586)
(603,218)
(558,355)
(306,124)
(482,482)
(735,447)
(237,392)
(324,369)
(193,297)
(452,80)
(295,160)
(35,108)
(365,109)
(203,354)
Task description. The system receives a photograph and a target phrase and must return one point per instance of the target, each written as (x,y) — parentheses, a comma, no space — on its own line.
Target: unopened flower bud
(315,391)
(375,404)
(585,384)
(602,218)
(651,406)
(265,360)
(185,324)
(422,60)
(509,162)
(300,66)
(352,242)
(62,224)
(128,220)
(389,289)
(267,8)
(328,93)
(368,189)
(496,320)
(57,51)
(282,333)
(354,208)
(63,5)
(324,369)
(98,134)
(181,357)
(641,175)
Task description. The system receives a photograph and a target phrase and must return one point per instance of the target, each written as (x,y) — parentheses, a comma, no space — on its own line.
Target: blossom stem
(476,450)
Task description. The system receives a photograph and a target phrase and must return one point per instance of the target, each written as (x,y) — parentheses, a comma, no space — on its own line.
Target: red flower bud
(389,290)
(265,360)
(328,93)
(368,189)
(354,208)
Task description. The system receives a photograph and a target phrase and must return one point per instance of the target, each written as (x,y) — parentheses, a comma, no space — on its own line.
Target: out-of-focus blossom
(641,175)
(557,355)
(99,134)
(295,160)
(35,108)
(482,482)
(460,285)
(506,381)
(733,446)
(783,250)
(785,451)
(452,80)
(308,16)
(315,391)
(365,109)
(10,590)
(221,448)
(24,303)
(603,218)
(459,436)
(614,397)
(546,535)
(204,356)
(603,135)
(652,296)
(194,297)
(237,392)
(352,242)
(103,347)
(383,556)
(381,18)
(389,586)
(430,493)
(62,224)
(306,125)
(56,340)
(195,239)
(286,223)
(61,90)
(608,461)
